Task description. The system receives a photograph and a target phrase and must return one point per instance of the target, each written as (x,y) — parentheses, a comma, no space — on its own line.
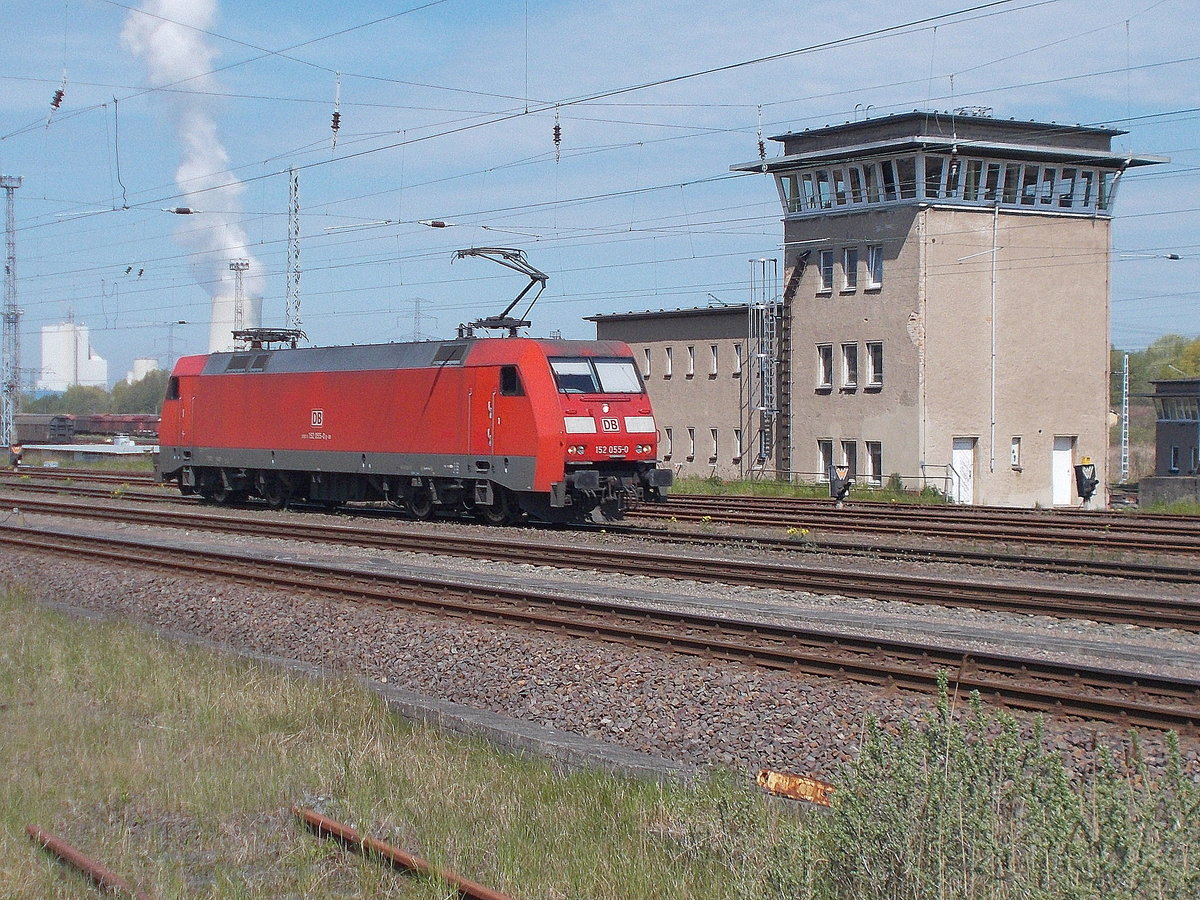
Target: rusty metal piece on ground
(348,837)
(103,878)
(797,787)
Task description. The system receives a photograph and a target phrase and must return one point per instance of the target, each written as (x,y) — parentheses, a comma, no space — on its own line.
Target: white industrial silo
(68,358)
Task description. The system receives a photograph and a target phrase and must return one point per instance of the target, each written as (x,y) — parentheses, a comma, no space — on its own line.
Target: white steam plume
(168,36)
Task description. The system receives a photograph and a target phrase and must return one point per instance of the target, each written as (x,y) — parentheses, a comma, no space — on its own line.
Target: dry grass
(176,768)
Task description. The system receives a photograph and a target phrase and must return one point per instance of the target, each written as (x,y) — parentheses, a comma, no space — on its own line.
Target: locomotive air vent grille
(450,353)
(239,362)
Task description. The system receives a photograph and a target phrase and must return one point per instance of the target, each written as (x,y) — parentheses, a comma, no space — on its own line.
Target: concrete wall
(934,315)
(701,401)
(1050,343)
(1168,490)
(887,414)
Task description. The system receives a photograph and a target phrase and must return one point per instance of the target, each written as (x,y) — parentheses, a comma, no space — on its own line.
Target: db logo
(318,418)
(609,425)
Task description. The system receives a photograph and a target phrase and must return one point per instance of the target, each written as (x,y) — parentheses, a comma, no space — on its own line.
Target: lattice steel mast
(764,360)
(238,267)
(10,375)
(291,316)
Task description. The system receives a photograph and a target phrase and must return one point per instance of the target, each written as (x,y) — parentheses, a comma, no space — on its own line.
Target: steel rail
(1109,531)
(408,862)
(1159,571)
(1057,518)
(1103,604)
(104,878)
(1136,568)
(1105,537)
(1057,515)
(1076,689)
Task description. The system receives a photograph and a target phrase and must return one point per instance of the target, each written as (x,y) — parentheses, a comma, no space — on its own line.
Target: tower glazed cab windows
(948,177)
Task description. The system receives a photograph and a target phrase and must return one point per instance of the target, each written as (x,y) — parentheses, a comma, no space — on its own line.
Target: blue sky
(447,113)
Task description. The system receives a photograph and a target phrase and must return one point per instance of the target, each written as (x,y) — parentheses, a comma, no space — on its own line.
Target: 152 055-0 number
(614,450)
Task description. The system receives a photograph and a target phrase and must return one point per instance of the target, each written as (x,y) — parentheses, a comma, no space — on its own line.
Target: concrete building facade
(68,359)
(695,366)
(945,311)
(1177,426)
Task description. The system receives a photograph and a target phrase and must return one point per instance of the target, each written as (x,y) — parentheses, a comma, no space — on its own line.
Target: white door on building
(962,471)
(1062,471)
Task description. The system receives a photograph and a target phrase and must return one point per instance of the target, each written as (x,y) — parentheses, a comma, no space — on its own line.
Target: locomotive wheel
(502,512)
(216,492)
(419,504)
(276,490)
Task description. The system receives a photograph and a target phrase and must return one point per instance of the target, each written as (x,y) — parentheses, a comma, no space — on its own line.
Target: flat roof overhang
(740,308)
(939,144)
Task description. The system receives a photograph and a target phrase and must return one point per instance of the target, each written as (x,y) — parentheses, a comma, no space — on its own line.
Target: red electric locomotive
(560,430)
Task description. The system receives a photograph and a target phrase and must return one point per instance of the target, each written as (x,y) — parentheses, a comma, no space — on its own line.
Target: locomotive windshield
(591,375)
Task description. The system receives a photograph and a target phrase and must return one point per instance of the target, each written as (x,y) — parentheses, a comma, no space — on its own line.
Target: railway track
(1159,534)
(1091,692)
(1162,566)
(1104,604)
(1082,530)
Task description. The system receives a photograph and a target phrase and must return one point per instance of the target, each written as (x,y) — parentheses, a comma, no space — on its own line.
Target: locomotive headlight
(576,449)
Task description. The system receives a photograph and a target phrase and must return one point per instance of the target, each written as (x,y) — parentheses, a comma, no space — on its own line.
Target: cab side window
(173,388)
(510,382)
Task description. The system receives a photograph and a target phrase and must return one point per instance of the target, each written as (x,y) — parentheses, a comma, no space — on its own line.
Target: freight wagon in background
(138,425)
(561,431)
(38,428)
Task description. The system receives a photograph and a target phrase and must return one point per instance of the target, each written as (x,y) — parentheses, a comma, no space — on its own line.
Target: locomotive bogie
(499,428)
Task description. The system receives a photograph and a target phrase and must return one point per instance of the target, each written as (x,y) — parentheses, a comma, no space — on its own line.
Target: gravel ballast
(677,707)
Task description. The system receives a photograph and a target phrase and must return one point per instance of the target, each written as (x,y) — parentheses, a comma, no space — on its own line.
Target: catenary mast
(10,375)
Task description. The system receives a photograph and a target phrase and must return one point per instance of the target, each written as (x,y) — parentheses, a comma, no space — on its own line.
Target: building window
(738,449)
(712,433)
(667,365)
(825,457)
(824,366)
(850,457)
(669,441)
(875,267)
(825,271)
(849,366)
(646,362)
(691,443)
(875,462)
(874,364)
(1016,453)
(737,360)
(691,362)
(712,369)
(1174,460)
(849,270)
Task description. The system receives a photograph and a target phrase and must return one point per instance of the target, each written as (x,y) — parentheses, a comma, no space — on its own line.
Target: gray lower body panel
(513,472)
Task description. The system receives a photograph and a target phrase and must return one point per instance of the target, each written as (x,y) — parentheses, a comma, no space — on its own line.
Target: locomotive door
(504,414)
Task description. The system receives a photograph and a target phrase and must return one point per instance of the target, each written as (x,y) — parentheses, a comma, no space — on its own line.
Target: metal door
(962,472)
(1062,471)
